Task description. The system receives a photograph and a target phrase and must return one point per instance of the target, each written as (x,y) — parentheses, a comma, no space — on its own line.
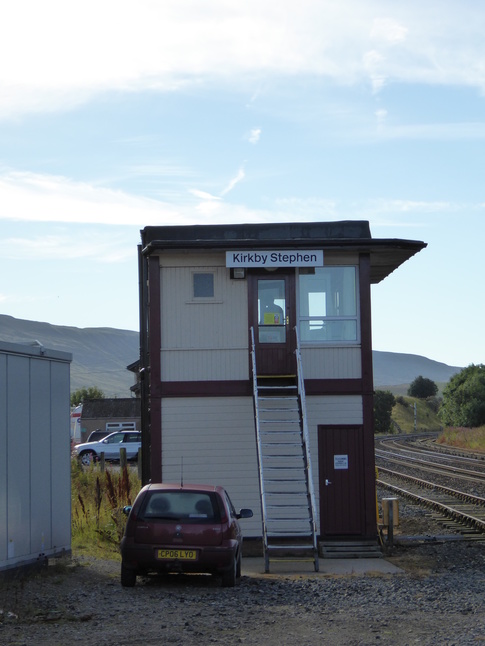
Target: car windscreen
(184,506)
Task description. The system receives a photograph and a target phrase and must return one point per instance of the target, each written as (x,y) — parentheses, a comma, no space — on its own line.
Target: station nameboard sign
(287,258)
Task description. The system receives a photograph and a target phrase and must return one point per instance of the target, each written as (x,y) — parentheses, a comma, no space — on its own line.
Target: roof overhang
(386,255)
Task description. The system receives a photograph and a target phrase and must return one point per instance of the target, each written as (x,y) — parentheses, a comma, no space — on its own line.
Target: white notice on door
(340,461)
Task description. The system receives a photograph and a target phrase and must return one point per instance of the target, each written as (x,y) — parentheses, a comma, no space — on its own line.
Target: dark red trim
(244,388)
(342,426)
(155,335)
(333,387)
(367,393)
(206,389)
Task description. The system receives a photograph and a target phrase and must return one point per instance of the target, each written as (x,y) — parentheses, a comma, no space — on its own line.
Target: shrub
(434,403)
(98,499)
(384,400)
(422,388)
(464,398)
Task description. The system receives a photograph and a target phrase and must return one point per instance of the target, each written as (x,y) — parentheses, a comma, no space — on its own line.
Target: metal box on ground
(35,473)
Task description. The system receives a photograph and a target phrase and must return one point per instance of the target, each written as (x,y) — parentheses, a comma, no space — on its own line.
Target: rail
(258,439)
(306,434)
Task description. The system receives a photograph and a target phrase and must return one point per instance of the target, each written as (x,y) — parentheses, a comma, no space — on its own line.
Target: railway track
(452,486)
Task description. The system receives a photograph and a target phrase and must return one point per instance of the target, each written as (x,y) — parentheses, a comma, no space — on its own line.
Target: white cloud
(374,64)
(67,205)
(381,115)
(235,180)
(43,198)
(87,244)
(254,135)
(61,54)
(203,195)
(388,30)
(29,197)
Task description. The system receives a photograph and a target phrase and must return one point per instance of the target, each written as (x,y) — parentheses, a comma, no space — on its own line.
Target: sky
(116,115)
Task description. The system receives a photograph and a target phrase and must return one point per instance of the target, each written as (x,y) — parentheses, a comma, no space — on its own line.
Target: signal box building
(256,369)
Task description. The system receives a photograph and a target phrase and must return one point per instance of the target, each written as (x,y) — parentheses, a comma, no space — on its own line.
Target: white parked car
(110,446)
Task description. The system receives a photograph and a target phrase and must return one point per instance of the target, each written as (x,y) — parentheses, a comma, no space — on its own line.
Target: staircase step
(288,547)
(350,549)
(267,444)
(294,422)
(275,398)
(285,506)
(288,520)
(284,493)
(288,457)
(285,431)
(280,480)
(301,537)
(280,410)
(281,467)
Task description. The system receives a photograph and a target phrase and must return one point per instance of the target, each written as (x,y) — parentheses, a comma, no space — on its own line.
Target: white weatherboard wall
(207,338)
(212,440)
(202,338)
(35,480)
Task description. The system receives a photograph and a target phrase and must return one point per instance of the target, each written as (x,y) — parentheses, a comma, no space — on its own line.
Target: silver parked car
(110,446)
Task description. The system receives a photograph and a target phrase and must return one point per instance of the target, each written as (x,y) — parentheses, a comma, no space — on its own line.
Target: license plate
(177,555)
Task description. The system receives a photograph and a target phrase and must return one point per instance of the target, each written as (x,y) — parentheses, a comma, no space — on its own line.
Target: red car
(182,528)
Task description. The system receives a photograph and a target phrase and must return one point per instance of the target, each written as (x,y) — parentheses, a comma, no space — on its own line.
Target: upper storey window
(203,285)
(328,310)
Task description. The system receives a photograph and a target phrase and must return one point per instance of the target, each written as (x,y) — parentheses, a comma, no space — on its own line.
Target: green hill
(100,355)
(404,417)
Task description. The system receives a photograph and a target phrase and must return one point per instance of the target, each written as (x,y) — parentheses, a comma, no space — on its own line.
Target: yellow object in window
(272,318)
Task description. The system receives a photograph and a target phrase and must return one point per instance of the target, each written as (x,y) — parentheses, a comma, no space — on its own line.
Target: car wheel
(229,576)
(238,566)
(128,576)
(87,457)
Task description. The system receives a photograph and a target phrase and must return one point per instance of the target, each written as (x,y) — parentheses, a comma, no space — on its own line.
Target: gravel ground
(438,599)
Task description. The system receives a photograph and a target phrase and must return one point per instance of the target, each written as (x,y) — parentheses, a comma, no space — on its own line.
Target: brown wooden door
(273,317)
(341,469)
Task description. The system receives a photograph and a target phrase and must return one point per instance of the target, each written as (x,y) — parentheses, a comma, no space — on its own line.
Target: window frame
(331,342)
(206,297)
(200,300)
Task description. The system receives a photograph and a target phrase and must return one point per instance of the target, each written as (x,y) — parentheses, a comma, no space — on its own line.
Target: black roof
(115,408)
(350,235)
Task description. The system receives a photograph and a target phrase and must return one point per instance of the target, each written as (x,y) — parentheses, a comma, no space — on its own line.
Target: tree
(422,388)
(464,398)
(79,395)
(384,400)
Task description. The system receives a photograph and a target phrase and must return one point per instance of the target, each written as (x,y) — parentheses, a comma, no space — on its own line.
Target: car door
(132,443)
(112,445)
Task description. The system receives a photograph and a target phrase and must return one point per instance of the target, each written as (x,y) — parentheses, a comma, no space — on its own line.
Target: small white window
(203,285)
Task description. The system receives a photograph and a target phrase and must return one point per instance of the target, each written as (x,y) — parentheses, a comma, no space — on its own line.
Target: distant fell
(394,368)
(101,356)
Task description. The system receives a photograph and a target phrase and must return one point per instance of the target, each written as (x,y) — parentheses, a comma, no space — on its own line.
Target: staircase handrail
(258,438)
(306,434)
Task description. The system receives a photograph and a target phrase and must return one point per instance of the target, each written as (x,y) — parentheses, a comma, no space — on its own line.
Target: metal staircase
(285,476)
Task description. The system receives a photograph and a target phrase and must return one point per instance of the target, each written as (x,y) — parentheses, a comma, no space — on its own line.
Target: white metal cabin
(202,299)
(35,468)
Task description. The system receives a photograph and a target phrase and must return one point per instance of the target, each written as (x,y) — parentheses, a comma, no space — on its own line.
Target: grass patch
(464,438)
(426,416)
(98,498)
